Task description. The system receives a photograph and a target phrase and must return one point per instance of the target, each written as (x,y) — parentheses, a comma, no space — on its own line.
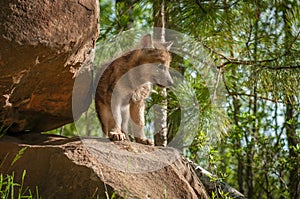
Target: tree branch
(116,22)
(212,184)
(248,95)
(252,95)
(235,61)
(200,6)
(257,63)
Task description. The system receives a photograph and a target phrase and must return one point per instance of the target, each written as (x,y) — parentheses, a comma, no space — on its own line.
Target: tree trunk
(160,112)
(293,142)
(240,166)
(291,122)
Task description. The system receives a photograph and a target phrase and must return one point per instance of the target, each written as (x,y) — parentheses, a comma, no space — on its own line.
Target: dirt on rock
(89,168)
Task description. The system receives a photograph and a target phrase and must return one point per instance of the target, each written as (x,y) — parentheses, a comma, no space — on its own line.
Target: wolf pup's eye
(160,67)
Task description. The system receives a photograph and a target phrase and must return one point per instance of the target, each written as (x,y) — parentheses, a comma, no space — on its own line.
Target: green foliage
(3,130)
(220,194)
(113,195)
(9,188)
(68,130)
(18,156)
(121,15)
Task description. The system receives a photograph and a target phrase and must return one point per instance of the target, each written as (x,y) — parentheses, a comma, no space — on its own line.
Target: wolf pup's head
(155,55)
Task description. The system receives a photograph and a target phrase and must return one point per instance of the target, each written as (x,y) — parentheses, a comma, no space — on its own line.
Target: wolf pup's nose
(170,82)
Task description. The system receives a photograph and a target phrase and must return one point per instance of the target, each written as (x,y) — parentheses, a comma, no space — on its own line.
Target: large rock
(74,168)
(44,46)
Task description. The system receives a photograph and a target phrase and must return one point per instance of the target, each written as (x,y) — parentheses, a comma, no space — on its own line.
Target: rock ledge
(86,168)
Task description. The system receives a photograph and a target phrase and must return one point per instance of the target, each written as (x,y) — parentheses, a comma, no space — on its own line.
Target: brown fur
(126,83)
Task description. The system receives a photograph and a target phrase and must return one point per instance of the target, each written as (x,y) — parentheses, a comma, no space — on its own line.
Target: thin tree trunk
(240,169)
(160,112)
(293,142)
(253,107)
(291,122)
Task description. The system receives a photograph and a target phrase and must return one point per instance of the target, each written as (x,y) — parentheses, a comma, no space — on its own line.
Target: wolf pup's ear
(146,42)
(168,44)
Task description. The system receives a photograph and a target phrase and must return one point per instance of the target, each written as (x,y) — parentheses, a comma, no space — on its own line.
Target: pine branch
(235,61)
(116,22)
(198,2)
(230,93)
(250,62)
(294,40)
(282,67)
(216,52)
(252,95)
(258,63)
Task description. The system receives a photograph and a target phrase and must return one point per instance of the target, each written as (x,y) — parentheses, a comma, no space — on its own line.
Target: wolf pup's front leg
(137,109)
(116,133)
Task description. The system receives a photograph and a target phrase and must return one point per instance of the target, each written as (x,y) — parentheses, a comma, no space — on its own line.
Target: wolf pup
(125,84)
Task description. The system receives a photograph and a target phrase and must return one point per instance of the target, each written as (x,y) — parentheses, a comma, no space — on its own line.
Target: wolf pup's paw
(144,141)
(116,135)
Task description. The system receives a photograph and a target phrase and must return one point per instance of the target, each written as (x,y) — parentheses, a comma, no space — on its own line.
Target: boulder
(91,168)
(44,46)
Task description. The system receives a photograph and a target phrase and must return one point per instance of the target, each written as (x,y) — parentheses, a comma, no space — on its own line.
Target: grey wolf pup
(125,84)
